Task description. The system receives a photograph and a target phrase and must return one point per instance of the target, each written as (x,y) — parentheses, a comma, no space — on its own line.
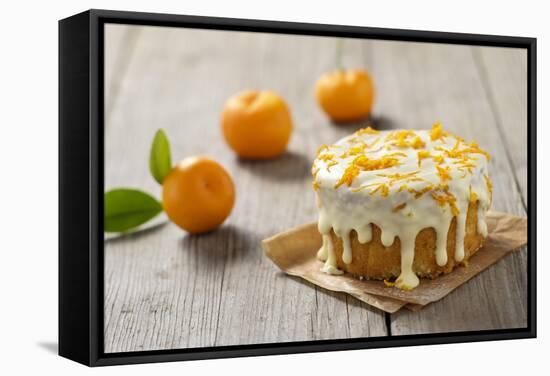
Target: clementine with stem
(198,194)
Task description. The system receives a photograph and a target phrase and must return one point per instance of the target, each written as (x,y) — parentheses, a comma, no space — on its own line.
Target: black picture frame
(81,186)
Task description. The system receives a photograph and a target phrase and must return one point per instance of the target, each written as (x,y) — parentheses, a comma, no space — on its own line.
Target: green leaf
(126,209)
(160,161)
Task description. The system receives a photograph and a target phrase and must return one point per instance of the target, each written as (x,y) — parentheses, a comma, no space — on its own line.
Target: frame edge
(75,276)
(80,314)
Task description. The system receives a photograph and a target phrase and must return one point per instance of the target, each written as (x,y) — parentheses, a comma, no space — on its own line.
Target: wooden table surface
(167,289)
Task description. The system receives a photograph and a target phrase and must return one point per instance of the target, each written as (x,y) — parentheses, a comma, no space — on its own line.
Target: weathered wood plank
(166,289)
(419,84)
(169,289)
(504,77)
(119,46)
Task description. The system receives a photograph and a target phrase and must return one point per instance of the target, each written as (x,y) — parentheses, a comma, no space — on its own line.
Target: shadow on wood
(137,234)
(378,122)
(225,244)
(383,123)
(289,166)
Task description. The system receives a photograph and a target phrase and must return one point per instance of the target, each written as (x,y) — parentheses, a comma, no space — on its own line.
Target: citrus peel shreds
(382,188)
(325,157)
(443,197)
(322,148)
(449,163)
(399,207)
(362,163)
(423,154)
(316,185)
(330,164)
(405,139)
(444,173)
(437,132)
(367,130)
(473,196)
(475,149)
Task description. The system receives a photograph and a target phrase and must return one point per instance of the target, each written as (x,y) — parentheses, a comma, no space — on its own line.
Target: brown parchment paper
(294,252)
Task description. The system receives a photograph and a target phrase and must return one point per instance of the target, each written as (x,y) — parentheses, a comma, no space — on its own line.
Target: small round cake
(401,204)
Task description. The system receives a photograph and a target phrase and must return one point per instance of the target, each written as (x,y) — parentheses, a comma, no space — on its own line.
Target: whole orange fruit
(256,124)
(345,95)
(198,194)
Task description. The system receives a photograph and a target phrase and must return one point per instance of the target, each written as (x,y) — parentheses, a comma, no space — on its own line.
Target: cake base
(373,260)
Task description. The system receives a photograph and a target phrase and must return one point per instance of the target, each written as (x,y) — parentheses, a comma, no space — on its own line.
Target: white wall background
(28,192)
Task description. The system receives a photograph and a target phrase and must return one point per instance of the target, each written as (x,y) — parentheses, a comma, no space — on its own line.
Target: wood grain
(167,289)
(424,81)
(503,73)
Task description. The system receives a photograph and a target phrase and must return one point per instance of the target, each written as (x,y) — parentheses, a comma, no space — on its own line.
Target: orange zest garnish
(375,164)
(422,154)
(467,167)
(437,132)
(383,188)
(457,153)
(367,130)
(359,148)
(349,174)
(417,143)
(438,159)
(406,139)
(443,197)
(315,171)
(452,158)
(321,149)
(473,196)
(474,148)
(403,187)
(325,157)
(399,207)
(355,150)
(397,154)
(362,163)
(420,192)
(330,164)
(397,177)
(489,185)
(444,173)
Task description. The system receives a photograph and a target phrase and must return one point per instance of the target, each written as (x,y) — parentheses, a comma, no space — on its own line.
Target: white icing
(364,234)
(441,243)
(328,255)
(401,211)
(408,278)
(481,223)
(322,254)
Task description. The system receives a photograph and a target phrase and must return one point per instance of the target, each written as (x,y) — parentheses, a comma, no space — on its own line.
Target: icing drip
(322,254)
(404,182)
(481,223)
(460,232)
(364,234)
(441,245)
(387,238)
(330,264)
(346,256)
(408,279)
